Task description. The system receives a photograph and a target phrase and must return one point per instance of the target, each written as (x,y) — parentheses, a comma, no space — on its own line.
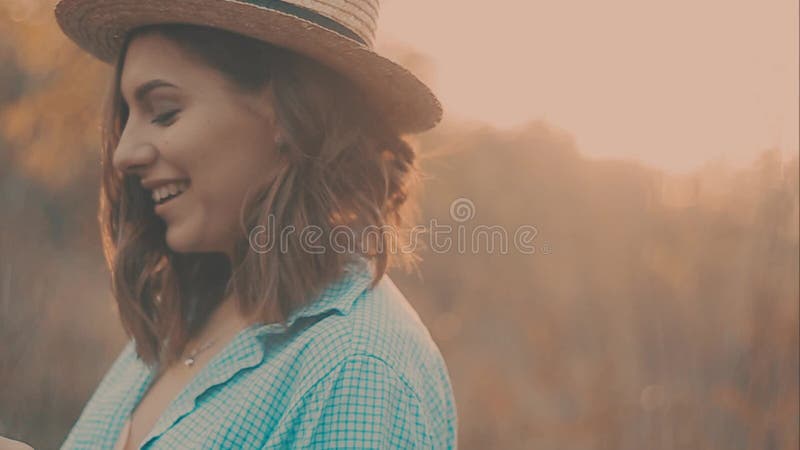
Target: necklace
(189,361)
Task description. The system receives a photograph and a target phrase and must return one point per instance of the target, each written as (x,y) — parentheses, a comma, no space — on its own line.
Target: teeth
(169,189)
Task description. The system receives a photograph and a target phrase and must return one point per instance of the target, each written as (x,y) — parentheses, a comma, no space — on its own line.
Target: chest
(239,413)
(154,402)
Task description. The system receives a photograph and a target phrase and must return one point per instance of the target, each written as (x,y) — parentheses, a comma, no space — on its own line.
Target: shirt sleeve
(362,403)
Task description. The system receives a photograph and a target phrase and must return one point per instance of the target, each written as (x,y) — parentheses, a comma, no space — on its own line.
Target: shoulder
(381,327)
(124,375)
(362,403)
(123,369)
(377,362)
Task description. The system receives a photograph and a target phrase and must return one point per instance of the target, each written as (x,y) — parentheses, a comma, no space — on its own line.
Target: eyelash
(163,118)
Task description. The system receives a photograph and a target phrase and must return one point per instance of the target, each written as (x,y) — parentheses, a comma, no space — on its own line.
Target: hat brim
(99,27)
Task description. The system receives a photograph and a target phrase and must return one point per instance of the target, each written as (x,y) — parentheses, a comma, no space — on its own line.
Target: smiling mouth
(169,197)
(163,205)
(165,194)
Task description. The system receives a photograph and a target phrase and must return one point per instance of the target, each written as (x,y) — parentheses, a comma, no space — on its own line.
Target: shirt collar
(247,348)
(338,296)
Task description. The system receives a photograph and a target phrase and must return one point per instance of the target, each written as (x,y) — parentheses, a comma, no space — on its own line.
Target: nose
(133,157)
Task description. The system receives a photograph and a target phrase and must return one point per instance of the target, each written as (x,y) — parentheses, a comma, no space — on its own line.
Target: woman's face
(187,123)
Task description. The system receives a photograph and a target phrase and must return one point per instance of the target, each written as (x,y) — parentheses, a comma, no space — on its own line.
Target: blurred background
(653,147)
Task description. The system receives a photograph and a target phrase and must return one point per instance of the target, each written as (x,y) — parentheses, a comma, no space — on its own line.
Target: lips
(166,205)
(168,198)
(167,190)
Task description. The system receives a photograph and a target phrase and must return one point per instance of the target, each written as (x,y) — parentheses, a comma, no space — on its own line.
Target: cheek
(224,158)
(241,164)
(221,189)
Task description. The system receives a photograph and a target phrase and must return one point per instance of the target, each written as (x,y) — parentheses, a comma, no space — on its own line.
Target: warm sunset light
(674,84)
(596,247)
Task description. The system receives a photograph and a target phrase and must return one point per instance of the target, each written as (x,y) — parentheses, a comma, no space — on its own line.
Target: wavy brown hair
(346,169)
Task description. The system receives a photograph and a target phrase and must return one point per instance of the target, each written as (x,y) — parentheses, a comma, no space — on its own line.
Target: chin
(179,243)
(180,247)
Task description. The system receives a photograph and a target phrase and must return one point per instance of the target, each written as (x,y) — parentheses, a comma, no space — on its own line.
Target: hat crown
(337,33)
(358,16)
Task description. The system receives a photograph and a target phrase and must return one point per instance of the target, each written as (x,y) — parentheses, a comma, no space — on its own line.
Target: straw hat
(338,33)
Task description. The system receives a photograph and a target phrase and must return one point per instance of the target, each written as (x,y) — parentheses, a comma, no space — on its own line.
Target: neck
(225,321)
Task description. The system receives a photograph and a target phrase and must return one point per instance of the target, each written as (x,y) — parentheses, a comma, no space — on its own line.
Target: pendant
(189,362)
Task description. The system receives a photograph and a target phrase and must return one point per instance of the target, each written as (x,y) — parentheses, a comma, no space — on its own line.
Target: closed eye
(164,119)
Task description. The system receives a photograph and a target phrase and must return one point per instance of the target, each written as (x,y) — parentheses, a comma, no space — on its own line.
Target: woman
(250,149)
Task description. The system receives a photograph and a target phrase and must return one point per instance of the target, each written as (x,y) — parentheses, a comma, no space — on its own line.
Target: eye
(165,118)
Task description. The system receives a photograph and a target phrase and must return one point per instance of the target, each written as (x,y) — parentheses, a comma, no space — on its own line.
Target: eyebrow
(145,88)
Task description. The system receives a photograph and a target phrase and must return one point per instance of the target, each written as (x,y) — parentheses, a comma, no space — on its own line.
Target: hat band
(309,15)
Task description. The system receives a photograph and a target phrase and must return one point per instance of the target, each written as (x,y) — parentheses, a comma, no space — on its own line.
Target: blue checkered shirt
(355,368)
